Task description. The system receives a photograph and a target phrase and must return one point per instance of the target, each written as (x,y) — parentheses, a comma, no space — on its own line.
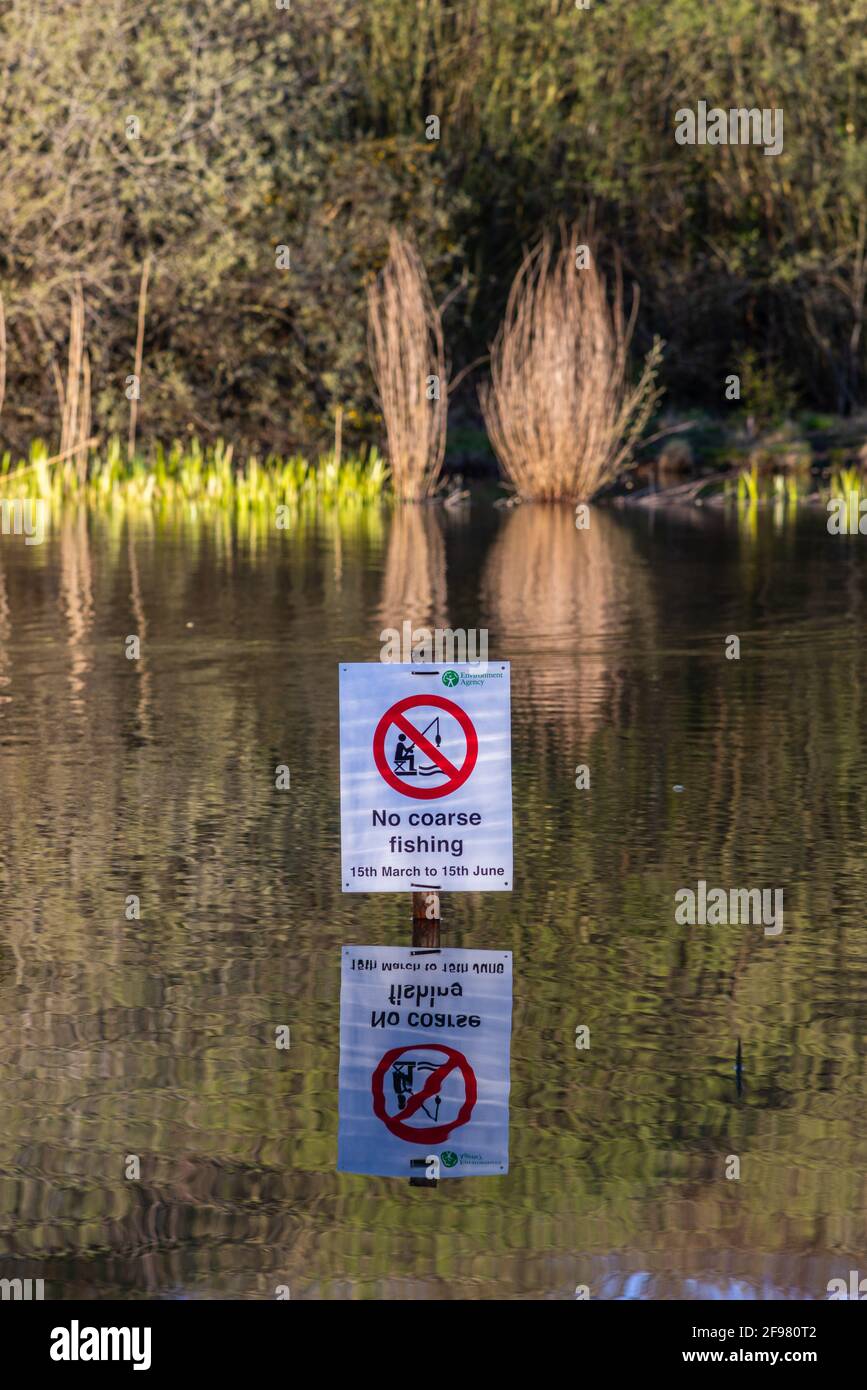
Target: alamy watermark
(440,645)
(856,1288)
(23,1290)
(847,516)
(77,1343)
(23,516)
(717,907)
(740,125)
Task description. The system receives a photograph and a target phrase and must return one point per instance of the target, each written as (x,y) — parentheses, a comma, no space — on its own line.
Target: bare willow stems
(559,408)
(139,349)
(408,360)
(338,436)
(2,355)
(74,397)
(71,394)
(81,448)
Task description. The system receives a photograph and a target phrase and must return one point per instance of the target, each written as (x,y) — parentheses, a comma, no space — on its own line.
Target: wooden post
(426,934)
(426,918)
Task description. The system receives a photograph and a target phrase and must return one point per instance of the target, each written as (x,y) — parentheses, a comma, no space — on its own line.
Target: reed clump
(407,355)
(560,409)
(753,486)
(193,472)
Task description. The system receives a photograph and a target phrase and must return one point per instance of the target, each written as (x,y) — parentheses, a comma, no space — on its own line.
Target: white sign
(424,1060)
(425,777)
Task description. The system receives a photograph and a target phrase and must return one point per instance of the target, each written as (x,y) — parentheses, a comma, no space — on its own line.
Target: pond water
(156,778)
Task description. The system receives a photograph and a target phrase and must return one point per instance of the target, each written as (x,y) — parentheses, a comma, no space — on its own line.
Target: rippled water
(155,778)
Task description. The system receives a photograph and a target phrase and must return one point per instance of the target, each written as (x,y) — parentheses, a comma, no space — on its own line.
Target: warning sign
(424,1060)
(403,740)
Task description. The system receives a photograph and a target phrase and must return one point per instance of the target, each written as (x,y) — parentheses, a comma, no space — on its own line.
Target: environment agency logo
(450,678)
(448,1156)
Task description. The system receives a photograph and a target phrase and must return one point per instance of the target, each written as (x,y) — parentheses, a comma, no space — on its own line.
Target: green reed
(748,485)
(751,487)
(194,472)
(845,481)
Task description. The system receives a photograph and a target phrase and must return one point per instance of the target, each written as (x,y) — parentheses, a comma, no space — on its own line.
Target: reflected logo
(448,1158)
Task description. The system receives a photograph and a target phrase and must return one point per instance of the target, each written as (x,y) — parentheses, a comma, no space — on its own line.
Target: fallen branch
(679,492)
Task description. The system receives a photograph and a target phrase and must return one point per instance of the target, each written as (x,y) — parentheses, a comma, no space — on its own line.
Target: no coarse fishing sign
(425,777)
(424,1060)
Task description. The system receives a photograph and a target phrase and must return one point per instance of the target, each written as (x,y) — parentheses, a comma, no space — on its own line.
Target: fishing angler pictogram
(404,754)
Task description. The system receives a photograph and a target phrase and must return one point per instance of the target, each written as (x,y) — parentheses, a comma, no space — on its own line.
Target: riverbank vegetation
(190,250)
(310,129)
(408,358)
(559,409)
(196,472)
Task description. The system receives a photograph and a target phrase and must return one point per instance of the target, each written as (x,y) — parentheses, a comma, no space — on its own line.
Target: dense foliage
(306,127)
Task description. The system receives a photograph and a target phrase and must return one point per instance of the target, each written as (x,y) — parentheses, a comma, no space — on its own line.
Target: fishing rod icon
(404,754)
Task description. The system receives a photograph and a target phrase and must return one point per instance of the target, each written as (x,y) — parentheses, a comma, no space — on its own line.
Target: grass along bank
(708,463)
(196,473)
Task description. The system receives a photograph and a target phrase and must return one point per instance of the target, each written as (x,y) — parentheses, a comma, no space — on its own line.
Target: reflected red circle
(424,1134)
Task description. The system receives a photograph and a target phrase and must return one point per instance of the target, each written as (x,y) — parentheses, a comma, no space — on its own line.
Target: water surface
(155,778)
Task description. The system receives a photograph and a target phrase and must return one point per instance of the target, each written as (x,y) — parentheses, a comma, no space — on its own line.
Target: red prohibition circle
(457,775)
(424,1134)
